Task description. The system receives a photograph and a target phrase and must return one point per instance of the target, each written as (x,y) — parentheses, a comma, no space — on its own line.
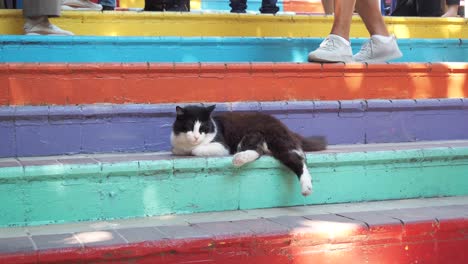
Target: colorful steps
(230,25)
(47,190)
(301,6)
(81,49)
(402,231)
(148,83)
(64,130)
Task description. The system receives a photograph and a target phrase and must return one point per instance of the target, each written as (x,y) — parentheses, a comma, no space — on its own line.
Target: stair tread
(240,223)
(148,156)
(190,24)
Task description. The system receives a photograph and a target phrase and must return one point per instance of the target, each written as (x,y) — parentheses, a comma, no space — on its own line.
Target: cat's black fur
(239,131)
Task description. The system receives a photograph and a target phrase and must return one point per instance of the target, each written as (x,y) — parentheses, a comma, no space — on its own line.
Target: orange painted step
(65,84)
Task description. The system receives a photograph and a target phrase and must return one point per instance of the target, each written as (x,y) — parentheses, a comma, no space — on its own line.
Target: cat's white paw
(306,187)
(244,157)
(306,182)
(210,150)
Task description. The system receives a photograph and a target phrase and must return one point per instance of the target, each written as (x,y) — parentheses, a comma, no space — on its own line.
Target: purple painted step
(58,130)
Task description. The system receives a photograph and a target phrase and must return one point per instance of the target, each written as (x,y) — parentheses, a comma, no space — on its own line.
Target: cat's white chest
(180,144)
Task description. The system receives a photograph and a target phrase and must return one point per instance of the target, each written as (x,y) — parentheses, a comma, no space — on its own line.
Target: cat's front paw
(306,185)
(244,157)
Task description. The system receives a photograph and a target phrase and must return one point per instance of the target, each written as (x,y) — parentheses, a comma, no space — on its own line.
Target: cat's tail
(315,143)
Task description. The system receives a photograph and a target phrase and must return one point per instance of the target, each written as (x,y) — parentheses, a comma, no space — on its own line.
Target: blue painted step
(202,49)
(58,130)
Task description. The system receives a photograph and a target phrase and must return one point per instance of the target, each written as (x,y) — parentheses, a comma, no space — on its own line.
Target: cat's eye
(189,125)
(204,128)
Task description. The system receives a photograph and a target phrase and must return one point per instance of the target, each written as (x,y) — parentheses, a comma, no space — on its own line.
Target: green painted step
(102,187)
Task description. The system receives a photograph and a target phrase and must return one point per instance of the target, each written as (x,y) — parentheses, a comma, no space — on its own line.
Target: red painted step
(70,84)
(418,235)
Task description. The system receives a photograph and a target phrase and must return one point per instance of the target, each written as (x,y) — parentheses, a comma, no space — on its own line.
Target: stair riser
(76,190)
(70,84)
(194,50)
(180,24)
(57,130)
(443,246)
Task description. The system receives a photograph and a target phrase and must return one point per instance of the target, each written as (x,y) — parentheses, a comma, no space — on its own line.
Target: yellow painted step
(194,4)
(190,24)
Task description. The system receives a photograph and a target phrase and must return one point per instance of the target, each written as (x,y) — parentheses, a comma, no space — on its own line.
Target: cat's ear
(179,110)
(211,108)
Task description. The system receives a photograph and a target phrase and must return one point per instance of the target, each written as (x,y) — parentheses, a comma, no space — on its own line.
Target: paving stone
(44,242)
(262,226)
(183,231)
(372,219)
(141,234)
(100,238)
(16,244)
(290,221)
(9,163)
(37,161)
(225,228)
(410,215)
(116,159)
(333,218)
(77,161)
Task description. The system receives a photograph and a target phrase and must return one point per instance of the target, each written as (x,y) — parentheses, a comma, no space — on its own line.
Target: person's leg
(177,5)
(154,5)
(269,7)
(36,17)
(107,4)
(35,8)
(328,6)
(429,8)
(369,11)
(238,6)
(452,8)
(336,47)
(405,8)
(342,19)
(381,46)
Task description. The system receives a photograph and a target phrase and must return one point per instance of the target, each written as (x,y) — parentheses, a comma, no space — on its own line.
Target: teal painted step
(81,49)
(67,189)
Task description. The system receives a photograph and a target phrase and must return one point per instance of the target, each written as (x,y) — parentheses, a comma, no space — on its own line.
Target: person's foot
(107,8)
(42,26)
(452,11)
(378,49)
(333,49)
(80,5)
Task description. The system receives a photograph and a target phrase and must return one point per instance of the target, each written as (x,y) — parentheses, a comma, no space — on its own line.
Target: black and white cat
(246,135)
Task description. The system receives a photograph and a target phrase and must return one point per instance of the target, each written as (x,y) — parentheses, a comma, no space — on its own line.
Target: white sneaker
(333,49)
(378,49)
(80,5)
(42,26)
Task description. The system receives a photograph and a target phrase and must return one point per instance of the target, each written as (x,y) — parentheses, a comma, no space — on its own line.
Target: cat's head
(193,124)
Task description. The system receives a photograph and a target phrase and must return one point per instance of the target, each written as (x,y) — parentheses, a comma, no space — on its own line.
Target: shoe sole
(382,60)
(69,8)
(331,61)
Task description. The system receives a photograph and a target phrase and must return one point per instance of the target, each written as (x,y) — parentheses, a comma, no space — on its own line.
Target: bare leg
(327,6)
(369,10)
(342,19)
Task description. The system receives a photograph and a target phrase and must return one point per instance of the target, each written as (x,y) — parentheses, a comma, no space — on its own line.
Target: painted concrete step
(68,189)
(240,25)
(81,49)
(104,128)
(399,231)
(148,83)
